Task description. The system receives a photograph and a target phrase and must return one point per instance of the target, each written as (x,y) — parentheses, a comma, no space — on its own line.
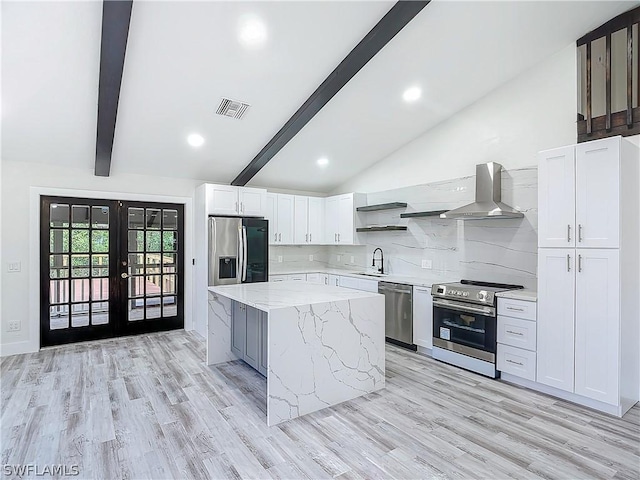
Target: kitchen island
(317,345)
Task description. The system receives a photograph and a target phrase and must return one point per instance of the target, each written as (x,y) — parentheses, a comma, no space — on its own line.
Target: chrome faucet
(373,261)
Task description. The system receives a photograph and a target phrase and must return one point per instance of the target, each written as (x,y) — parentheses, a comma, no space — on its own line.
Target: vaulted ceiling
(182,57)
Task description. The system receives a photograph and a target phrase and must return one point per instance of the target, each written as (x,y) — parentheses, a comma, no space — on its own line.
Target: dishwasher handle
(394,287)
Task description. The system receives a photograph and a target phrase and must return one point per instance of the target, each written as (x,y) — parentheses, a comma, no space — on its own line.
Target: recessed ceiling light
(195,140)
(252,32)
(412,94)
(323,162)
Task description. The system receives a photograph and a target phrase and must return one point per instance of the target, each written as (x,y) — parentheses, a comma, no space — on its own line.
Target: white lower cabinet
(597,335)
(422,317)
(556,312)
(333,280)
(517,332)
(278,278)
(517,361)
(516,337)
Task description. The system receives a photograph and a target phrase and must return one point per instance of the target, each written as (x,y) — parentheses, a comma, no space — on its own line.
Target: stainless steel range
(465,324)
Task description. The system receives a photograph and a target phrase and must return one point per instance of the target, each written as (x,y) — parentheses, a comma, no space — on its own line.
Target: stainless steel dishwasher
(398,313)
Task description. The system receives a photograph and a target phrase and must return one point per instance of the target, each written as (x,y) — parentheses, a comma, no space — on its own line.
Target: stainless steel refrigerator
(238,250)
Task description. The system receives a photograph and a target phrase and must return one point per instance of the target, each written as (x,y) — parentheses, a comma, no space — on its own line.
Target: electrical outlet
(14,326)
(428,264)
(279,258)
(14,267)
(311,258)
(339,258)
(352,259)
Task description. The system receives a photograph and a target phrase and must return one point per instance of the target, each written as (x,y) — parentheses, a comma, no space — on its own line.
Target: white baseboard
(617,411)
(17,348)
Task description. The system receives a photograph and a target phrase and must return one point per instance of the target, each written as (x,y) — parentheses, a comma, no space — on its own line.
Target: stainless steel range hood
(488,202)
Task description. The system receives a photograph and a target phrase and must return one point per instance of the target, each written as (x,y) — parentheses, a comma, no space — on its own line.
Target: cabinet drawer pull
(579,263)
(306,237)
(568,233)
(568,262)
(516,309)
(515,363)
(515,333)
(309,237)
(579,232)
(279,237)
(275,237)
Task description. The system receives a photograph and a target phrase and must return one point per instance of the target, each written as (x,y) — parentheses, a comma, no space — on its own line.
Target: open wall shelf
(432,213)
(381,228)
(381,206)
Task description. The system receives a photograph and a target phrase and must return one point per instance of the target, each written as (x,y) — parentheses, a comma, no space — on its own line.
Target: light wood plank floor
(148,407)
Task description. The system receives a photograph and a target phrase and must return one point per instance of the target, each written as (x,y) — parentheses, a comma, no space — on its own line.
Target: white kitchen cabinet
(222,200)
(422,317)
(308,220)
(333,280)
(341,218)
(278,278)
(555,324)
(598,193)
(587,327)
(556,197)
(316,220)
(230,200)
(279,212)
(579,195)
(252,202)
(597,352)
(317,278)
(348,282)
(298,277)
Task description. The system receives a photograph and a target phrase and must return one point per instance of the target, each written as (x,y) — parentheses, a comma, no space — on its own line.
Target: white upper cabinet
(308,220)
(555,323)
(279,212)
(252,202)
(597,337)
(579,195)
(222,200)
(341,219)
(556,197)
(316,220)
(230,200)
(301,220)
(598,193)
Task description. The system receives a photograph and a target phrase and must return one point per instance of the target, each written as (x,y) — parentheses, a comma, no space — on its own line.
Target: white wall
(20,223)
(533,112)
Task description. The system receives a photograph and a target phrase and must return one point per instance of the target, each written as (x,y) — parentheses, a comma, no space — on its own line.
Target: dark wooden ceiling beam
(387,28)
(116,15)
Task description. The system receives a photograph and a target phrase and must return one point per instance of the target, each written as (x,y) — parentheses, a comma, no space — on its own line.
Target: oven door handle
(489,311)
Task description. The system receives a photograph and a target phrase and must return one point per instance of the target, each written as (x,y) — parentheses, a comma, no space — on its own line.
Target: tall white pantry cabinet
(588,284)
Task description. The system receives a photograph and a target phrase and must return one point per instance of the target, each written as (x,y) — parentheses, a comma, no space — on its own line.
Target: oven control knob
(482,296)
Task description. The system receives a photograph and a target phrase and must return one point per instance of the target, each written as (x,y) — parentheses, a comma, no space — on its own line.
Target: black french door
(109,268)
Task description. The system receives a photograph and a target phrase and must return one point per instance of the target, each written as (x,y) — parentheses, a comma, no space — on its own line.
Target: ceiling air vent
(232,108)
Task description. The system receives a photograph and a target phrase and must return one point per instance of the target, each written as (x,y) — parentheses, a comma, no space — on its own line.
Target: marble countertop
(267,296)
(527,295)
(426,281)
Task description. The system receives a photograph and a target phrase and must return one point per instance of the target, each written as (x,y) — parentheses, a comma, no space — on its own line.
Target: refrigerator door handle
(244,253)
(240,261)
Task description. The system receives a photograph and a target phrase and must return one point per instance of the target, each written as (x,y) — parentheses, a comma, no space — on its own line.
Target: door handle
(125,275)
(579,263)
(309,237)
(306,237)
(579,232)
(335,237)
(338,238)
(568,262)
(275,237)
(568,233)
(279,237)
